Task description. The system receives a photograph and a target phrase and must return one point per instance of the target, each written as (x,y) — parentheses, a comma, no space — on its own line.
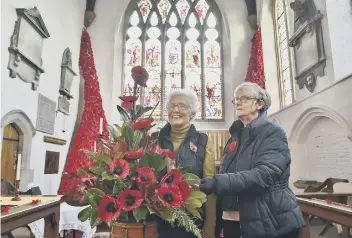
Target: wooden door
(10,142)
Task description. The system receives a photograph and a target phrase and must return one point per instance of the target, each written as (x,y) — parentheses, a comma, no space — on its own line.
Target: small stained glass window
(179,44)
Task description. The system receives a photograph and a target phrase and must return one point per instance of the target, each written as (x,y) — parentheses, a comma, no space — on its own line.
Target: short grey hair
(191,99)
(256,92)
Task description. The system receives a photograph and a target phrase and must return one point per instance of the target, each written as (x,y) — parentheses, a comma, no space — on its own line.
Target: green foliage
(124,114)
(103,158)
(94,219)
(97,170)
(85,214)
(191,179)
(156,162)
(140,213)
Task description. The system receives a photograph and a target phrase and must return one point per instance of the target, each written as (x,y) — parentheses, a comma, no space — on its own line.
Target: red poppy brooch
(232,146)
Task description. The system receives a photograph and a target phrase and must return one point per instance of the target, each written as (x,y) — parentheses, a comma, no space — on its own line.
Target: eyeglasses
(180,106)
(242,99)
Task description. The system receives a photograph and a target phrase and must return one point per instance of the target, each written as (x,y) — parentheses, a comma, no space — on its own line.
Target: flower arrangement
(132,179)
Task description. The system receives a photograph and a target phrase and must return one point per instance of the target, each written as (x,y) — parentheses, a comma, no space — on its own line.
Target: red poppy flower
(140,75)
(5,209)
(108,209)
(130,199)
(184,188)
(232,146)
(157,150)
(119,147)
(129,98)
(119,167)
(164,153)
(35,202)
(328,201)
(144,124)
(169,154)
(170,196)
(132,155)
(171,177)
(127,105)
(145,176)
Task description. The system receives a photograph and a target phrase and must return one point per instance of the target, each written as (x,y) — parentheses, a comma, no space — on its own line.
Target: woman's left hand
(208,185)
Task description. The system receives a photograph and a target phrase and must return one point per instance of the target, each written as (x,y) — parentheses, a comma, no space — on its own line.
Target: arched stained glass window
(283,53)
(179,43)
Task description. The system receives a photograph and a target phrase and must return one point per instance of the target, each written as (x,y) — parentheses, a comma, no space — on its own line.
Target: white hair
(191,99)
(256,92)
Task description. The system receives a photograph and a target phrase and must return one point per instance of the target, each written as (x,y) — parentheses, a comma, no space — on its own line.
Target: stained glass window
(179,43)
(284,54)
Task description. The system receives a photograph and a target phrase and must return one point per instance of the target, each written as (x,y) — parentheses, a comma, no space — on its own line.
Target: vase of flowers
(131,182)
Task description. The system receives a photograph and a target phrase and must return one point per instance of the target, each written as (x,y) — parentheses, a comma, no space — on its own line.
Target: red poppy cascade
(132,179)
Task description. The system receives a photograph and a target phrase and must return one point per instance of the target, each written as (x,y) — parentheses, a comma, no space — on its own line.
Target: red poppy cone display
(88,129)
(255,72)
(132,180)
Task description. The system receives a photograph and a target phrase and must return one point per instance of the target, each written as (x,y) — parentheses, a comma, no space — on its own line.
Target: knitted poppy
(130,199)
(108,209)
(119,167)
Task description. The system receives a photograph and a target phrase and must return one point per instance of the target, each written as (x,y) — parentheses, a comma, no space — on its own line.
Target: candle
(18,168)
(101,126)
(95,146)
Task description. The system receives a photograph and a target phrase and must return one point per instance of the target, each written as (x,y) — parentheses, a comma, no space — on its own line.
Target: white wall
(107,40)
(64,21)
(319,124)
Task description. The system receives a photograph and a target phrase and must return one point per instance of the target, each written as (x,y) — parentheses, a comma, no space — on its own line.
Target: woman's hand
(208,185)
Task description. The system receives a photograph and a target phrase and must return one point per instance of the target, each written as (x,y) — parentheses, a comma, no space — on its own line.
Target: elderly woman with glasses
(254,199)
(194,149)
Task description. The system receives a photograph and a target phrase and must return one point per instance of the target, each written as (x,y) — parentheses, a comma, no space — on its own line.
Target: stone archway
(26,131)
(310,116)
(322,141)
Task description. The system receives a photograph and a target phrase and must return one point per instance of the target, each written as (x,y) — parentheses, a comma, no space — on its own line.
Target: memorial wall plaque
(25,59)
(308,44)
(52,160)
(46,115)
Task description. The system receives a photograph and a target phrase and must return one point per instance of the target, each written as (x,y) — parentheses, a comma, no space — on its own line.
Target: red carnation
(145,176)
(127,105)
(171,177)
(170,196)
(184,188)
(144,124)
(129,98)
(232,146)
(119,167)
(108,209)
(132,155)
(140,75)
(130,199)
